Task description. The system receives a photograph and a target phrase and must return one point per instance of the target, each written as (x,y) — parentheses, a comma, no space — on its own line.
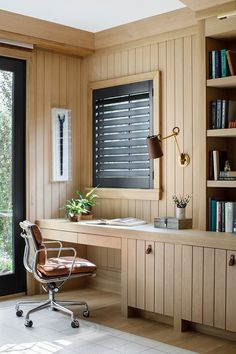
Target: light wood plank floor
(105,309)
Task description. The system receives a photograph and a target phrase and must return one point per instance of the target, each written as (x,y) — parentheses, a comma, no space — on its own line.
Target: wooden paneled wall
(56,84)
(176,60)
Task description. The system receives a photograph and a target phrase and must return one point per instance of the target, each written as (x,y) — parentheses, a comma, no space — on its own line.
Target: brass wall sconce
(155,150)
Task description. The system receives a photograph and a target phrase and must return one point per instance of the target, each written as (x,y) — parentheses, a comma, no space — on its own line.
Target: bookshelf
(226,133)
(221,89)
(222,82)
(221,184)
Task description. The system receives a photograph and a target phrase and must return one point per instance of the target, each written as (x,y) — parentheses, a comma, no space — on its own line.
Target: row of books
(222,63)
(222,114)
(222,215)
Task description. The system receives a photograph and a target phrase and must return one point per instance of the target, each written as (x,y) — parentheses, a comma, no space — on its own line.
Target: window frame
(128,193)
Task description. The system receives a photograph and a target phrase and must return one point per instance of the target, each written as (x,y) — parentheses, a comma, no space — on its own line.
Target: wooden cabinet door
(231,292)
(150,276)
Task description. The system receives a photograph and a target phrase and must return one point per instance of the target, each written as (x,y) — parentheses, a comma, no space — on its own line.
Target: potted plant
(74,209)
(87,201)
(181,202)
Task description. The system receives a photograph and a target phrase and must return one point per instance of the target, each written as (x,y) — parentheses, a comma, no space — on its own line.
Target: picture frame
(61,145)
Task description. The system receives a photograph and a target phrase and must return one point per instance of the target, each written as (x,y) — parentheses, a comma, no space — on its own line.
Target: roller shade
(122,117)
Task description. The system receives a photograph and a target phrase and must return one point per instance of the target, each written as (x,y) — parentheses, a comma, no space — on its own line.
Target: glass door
(12,174)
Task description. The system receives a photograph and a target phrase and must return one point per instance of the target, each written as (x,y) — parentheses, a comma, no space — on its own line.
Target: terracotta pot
(86,216)
(75,218)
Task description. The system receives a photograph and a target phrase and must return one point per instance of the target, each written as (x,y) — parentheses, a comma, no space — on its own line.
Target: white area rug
(52,333)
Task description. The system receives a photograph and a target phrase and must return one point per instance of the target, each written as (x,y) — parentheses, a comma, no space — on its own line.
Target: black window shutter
(122,120)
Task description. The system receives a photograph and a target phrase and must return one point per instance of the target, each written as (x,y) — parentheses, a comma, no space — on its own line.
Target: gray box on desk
(172,223)
(160,223)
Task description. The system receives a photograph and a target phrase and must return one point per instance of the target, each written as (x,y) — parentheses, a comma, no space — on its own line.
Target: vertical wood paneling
(162,59)
(39,136)
(188,118)
(179,109)
(55,196)
(178,288)
(197,284)
(187,269)
(150,277)
(231,294)
(220,288)
(52,89)
(47,136)
(208,286)
(141,274)
(159,277)
(169,279)
(170,123)
(132,272)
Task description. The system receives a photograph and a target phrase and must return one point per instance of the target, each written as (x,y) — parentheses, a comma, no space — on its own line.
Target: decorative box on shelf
(172,223)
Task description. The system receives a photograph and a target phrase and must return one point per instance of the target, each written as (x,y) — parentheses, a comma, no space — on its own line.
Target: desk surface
(145,232)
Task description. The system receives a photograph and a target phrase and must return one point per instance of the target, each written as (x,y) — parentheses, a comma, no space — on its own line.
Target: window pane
(6,242)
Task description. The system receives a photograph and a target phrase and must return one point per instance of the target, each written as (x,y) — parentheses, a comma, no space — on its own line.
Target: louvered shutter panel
(122,117)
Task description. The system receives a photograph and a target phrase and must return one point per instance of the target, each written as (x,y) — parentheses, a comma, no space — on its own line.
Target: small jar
(180,213)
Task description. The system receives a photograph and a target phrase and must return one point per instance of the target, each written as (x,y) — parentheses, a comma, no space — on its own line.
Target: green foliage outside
(5,171)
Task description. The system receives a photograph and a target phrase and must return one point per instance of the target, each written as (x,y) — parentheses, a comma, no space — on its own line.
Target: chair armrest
(52,242)
(35,271)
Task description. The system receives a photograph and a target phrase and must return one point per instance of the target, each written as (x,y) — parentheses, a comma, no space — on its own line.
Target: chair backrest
(33,242)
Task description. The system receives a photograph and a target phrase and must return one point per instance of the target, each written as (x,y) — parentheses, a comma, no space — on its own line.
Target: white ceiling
(90,15)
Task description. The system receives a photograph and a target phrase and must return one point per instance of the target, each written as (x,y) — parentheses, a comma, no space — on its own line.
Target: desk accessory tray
(172,223)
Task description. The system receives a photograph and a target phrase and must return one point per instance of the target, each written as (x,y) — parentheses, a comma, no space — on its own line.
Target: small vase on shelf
(180,213)
(180,205)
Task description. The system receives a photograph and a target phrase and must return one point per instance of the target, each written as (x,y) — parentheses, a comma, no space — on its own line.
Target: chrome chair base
(52,304)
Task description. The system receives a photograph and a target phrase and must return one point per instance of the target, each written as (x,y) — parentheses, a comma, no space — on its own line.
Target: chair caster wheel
(28,323)
(54,309)
(19,313)
(86,313)
(75,324)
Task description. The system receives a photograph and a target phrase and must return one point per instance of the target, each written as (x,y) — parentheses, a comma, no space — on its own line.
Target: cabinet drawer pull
(149,249)
(232,260)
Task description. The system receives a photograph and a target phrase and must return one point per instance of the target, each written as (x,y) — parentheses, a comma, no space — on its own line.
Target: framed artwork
(61,145)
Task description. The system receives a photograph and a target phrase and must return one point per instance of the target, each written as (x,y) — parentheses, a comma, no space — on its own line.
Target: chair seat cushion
(60,266)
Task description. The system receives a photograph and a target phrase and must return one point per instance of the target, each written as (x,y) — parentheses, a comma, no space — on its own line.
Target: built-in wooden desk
(184,275)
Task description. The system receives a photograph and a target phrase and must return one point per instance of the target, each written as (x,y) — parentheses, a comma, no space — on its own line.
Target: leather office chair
(52,272)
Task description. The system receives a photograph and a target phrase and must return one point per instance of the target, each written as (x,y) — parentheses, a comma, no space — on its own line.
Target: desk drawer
(59,235)
(100,241)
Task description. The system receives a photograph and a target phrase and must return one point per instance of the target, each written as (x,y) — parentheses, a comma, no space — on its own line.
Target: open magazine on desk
(130,221)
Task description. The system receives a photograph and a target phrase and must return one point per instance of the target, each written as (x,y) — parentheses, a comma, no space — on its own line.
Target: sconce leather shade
(154,147)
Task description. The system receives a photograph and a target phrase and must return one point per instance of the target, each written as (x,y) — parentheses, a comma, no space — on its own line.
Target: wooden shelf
(223,82)
(226,133)
(221,184)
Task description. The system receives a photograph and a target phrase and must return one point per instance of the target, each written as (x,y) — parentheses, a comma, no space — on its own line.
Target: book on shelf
(218,63)
(224,63)
(228,174)
(230,214)
(222,114)
(129,221)
(231,114)
(221,215)
(216,163)
(231,59)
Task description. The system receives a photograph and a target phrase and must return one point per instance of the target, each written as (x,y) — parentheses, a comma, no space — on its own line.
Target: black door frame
(16,282)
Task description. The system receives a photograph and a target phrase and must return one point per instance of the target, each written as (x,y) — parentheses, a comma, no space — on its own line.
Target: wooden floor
(105,309)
